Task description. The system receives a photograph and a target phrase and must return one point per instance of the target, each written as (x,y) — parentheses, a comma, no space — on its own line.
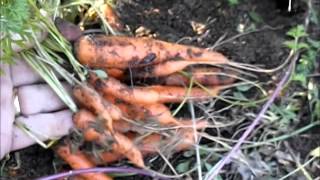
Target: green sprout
(296,33)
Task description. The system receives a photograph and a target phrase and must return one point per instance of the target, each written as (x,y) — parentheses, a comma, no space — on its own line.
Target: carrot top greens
(14,21)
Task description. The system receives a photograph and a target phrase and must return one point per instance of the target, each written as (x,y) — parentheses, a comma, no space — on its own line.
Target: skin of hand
(41,110)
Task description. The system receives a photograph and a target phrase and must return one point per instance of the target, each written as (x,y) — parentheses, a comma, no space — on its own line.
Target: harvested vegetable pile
(125,120)
(147,103)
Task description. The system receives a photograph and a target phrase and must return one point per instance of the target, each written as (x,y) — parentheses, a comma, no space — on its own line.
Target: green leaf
(300,78)
(233,2)
(208,166)
(315,152)
(291,44)
(188,153)
(302,46)
(183,167)
(239,96)
(314,43)
(297,32)
(244,88)
(255,17)
(100,73)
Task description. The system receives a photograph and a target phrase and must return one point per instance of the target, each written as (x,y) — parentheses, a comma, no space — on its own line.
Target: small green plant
(296,34)
(306,66)
(233,2)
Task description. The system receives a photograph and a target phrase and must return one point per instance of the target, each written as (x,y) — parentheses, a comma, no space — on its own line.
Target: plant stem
(216,169)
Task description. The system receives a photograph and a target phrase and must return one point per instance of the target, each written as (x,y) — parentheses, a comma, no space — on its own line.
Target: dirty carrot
(131,111)
(114,72)
(126,147)
(175,94)
(151,94)
(208,76)
(90,99)
(158,113)
(111,16)
(166,68)
(161,114)
(78,160)
(101,51)
(155,112)
(106,157)
(84,121)
(151,144)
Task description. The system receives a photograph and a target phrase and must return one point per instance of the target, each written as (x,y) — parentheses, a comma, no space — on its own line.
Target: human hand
(41,111)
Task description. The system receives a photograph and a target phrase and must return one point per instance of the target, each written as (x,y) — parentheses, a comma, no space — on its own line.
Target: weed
(233,2)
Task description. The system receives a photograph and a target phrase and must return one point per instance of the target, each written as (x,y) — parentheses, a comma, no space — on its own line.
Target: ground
(261,26)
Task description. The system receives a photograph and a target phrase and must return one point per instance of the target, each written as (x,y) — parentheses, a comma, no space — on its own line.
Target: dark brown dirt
(183,20)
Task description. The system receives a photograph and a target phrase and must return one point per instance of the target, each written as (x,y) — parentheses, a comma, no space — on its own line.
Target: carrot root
(111,16)
(205,76)
(79,160)
(152,144)
(101,51)
(120,143)
(151,94)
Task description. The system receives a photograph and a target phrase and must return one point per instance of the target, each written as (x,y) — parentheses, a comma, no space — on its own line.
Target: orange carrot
(106,157)
(134,112)
(114,72)
(155,112)
(151,94)
(90,99)
(166,68)
(101,51)
(208,76)
(152,143)
(125,147)
(78,160)
(120,143)
(86,121)
(160,114)
(172,94)
(111,17)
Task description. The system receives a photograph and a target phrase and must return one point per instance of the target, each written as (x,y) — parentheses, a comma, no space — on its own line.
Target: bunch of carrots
(122,117)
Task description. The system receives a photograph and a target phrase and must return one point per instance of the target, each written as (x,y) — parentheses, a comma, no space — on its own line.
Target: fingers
(45,126)
(39,98)
(6,110)
(22,74)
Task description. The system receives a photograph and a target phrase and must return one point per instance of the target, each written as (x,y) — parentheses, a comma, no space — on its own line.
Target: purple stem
(265,107)
(101,170)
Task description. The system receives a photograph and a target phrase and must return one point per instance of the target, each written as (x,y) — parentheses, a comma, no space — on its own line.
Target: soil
(200,23)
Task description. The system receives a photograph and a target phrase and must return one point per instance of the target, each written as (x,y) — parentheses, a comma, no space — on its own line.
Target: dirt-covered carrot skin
(150,94)
(85,121)
(208,76)
(151,144)
(161,115)
(176,94)
(125,146)
(116,73)
(78,160)
(131,111)
(90,99)
(101,51)
(111,16)
(158,113)
(83,117)
(166,68)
